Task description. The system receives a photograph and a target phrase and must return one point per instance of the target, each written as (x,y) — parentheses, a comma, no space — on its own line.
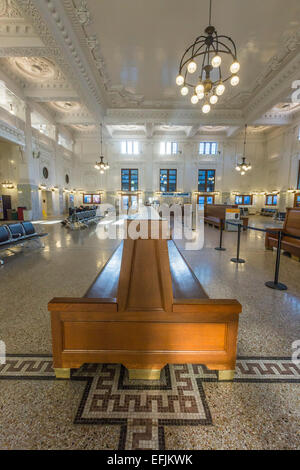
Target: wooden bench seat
(292,227)
(146,309)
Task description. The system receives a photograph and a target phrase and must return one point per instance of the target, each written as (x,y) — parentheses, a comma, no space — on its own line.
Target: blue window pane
(247,200)
(209,200)
(201,200)
(87,199)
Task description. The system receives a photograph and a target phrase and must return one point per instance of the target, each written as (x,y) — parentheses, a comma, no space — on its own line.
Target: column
(28,191)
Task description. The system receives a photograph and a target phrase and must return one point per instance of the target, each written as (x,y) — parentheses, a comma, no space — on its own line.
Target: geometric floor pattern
(142,408)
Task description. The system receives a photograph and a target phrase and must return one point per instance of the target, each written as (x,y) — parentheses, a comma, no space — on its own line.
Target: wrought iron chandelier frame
(210,47)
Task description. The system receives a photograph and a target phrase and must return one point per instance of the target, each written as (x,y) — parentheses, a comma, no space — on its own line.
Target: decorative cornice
(46,14)
(9,9)
(11,133)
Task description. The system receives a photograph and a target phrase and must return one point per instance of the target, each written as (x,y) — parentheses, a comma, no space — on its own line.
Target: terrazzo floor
(39,414)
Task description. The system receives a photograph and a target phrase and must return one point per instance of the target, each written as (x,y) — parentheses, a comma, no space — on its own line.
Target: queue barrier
(271,284)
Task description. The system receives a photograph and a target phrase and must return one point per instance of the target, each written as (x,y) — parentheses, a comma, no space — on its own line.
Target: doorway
(129,202)
(47,204)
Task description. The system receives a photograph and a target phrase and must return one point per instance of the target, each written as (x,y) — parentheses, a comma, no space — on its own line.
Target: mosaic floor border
(142,409)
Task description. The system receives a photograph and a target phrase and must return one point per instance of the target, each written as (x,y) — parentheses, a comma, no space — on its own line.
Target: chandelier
(206,55)
(102,165)
(244,166)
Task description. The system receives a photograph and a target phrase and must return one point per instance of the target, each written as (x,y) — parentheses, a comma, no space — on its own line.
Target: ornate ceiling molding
(182,117)
(9,9)
(272,92)
(53,27)
(29,52)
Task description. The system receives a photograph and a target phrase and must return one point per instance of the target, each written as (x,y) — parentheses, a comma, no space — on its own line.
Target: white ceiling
(142,41)
(82,61)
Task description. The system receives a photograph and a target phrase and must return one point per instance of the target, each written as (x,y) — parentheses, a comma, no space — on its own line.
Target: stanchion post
(275,284)
(220,247)
(238,259)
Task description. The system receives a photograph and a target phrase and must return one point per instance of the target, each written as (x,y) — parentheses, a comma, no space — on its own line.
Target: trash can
(21,213)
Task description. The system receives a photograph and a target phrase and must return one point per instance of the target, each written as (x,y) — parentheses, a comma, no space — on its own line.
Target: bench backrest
(216,210)
(292,221)
(28,228)
(16,230)
(5,235)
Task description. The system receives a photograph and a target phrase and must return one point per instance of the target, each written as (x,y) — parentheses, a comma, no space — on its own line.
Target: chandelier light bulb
(235,67)
(192,66)
(243,173)
(238,168)
(97,167)
(102,172)
(206,108)
(199,89)
(235,80)
(179,80)
(216,61)
(220,89)
(213,99)
(184,91)
(194,99)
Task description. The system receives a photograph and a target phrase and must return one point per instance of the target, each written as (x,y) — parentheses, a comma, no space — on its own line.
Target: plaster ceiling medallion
(213,128)
(258,129)
(34,68)
(129,128)
(170,128)
(65,106)
(84,127)
(285,107)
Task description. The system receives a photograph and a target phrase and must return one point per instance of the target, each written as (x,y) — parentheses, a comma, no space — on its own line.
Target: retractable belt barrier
(280,232)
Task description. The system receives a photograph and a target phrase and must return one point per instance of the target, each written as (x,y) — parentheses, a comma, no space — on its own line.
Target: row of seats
(85,216)
(267,211)
(14,233)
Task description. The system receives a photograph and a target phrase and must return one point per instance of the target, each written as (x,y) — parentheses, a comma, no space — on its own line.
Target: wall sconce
(8,185)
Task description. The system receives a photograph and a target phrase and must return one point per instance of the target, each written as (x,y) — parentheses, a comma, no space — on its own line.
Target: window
(129,180)
(271,200)
(91,199)
(243,200)
(297,200)
(168,181)
(202,200)
(206,181)
(130,147)
(64,142)
(168,148)
(208,148)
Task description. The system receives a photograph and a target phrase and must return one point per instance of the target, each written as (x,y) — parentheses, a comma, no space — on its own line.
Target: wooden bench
(292,227)
(215,214)
(146,309)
